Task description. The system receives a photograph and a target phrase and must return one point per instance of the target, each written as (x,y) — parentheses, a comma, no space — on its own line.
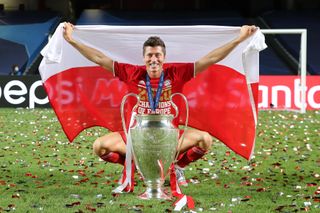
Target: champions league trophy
(154,146)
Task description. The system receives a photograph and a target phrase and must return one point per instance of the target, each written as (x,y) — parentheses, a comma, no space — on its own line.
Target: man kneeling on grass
(155,77)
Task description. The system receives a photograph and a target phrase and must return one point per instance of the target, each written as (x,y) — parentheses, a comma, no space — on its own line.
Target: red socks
(113,157)
(190,155)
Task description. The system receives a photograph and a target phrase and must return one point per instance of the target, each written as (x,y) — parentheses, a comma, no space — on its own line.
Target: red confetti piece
(100,172)
(84,180)
(90,208)
(246,183)
(316,200)
(11,206)
(276,165)
(107,182)
(261,190)
(245,178)
(15,196)
(116,195)
(81,173)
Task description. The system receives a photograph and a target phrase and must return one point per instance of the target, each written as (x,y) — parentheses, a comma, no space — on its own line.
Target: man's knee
(101,145)
(206,141)
(97,147)
(111,142)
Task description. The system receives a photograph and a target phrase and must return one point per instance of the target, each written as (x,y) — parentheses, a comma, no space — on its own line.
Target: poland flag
(222,99)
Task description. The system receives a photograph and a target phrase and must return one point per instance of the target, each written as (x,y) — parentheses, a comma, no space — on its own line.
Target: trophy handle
(124,99)
(128,169)
(186,122)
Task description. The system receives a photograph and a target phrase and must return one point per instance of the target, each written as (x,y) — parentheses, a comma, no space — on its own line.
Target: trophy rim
(155,117)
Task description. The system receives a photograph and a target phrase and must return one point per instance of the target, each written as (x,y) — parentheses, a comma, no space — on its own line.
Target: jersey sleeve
(124,71)
(184,71)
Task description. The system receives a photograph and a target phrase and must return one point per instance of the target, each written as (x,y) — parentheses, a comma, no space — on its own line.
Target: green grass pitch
(42,172)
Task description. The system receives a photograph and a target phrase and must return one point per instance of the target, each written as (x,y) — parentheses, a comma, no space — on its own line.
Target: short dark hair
(154,41)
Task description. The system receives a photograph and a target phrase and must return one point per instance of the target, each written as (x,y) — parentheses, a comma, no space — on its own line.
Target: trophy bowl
(154,143)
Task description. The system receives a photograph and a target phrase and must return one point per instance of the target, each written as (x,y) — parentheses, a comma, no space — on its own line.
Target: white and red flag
(222,100)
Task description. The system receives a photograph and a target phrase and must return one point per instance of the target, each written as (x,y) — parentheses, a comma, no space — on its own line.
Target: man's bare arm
(90,53)
(220,53)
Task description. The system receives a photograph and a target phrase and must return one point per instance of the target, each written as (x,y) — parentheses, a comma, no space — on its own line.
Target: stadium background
(26,25)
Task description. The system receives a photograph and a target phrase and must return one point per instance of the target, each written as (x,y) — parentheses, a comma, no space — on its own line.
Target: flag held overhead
(222,99)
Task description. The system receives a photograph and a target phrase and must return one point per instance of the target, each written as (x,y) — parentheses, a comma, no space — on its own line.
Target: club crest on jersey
(167,83)
(141,82)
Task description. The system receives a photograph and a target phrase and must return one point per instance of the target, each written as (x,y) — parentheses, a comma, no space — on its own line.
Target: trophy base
(154,194)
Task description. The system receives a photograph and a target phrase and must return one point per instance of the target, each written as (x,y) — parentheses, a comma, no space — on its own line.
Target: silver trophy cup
(155,143)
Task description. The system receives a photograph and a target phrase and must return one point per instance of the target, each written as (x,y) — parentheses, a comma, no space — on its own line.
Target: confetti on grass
(42,171)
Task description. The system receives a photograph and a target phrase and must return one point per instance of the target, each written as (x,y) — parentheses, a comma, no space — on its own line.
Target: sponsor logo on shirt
(164,106)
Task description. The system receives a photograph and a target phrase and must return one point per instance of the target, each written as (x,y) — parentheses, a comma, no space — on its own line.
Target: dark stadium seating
(95,16)
(271,64)
(21,34)
(308,19)
(25,17)
(11,54)
(24,33)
